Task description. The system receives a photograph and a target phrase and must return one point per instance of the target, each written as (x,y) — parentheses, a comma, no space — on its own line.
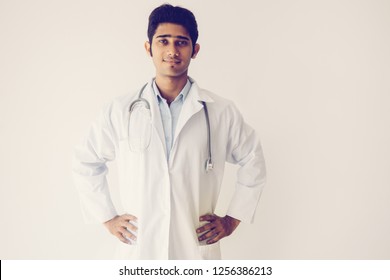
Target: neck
(170,87)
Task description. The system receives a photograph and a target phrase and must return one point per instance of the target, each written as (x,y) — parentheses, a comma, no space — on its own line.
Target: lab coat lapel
(191,106)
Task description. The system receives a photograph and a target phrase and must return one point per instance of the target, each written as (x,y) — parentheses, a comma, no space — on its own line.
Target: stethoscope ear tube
(140,108)
(139,99)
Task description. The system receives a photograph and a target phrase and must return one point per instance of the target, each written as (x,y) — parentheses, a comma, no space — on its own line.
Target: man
(171,140)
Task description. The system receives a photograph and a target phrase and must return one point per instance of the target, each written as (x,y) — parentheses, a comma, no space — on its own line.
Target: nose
(173,51)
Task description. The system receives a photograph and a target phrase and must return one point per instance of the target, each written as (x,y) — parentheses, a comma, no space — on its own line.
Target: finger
(129,235)
(211,225)
(216,238)
(127,223)
(121,238)
(208,217)
(131,227)
(206,227)
(207,235)
(129,217)
(125,231)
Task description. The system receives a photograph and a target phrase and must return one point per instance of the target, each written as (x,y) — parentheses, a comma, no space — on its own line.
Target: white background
(312,77)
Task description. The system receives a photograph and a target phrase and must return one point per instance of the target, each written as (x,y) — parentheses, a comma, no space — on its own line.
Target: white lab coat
(168,196)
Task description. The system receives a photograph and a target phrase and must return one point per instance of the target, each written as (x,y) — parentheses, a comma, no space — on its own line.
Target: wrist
(106,223)
(232,220)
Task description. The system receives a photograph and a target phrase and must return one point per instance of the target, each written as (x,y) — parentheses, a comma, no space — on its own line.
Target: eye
(163,41)
(182,43)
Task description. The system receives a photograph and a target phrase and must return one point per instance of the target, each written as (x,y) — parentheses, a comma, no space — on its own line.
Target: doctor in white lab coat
(168,196)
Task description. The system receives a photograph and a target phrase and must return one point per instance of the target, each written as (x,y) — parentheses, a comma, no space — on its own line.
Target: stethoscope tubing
(209,162)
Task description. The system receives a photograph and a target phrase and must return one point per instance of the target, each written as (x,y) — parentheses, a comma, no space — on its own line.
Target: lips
(172,60)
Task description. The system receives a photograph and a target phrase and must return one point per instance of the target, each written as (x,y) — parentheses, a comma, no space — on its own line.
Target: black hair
(167,13)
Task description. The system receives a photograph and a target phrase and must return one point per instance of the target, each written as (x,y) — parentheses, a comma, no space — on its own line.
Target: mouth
(171,60)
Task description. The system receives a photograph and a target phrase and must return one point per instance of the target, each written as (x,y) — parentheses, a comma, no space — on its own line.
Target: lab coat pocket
(210,252)
(140,128)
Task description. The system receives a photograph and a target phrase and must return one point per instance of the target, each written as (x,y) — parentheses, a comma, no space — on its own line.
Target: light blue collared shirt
(170,114)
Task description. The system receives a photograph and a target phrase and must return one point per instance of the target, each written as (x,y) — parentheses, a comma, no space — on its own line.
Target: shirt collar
(183,93)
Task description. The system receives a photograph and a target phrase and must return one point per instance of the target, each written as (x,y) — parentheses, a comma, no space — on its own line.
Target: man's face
(172,50)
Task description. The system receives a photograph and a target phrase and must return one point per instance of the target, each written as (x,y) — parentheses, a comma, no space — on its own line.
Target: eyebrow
(170,36)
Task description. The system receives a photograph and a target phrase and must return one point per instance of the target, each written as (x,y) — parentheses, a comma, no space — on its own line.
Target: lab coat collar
(183,93)
(197,93)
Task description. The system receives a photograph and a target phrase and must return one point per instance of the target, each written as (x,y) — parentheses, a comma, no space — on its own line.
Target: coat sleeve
(90,169)
(244,149)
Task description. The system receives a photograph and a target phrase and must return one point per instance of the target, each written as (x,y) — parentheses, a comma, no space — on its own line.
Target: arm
(89,172)
(244,149)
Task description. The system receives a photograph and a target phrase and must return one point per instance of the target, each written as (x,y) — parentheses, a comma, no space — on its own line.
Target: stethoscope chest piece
(209,165)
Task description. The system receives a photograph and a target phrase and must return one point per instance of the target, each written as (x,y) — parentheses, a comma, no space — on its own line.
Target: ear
(196,50)
(148,48)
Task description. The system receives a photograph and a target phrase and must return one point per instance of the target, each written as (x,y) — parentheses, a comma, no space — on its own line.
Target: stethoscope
(142,104)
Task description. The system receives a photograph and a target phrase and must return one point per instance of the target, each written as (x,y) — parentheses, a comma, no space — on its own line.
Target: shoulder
(120,104)
(219,104)
(115,112)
